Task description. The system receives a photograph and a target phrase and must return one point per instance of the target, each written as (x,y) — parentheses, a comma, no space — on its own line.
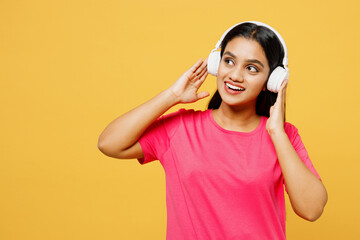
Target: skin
(119,139)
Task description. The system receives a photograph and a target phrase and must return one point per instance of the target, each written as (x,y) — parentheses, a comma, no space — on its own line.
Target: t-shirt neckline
(257,129)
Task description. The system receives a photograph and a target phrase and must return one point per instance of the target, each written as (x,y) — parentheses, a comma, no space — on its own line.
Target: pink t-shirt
(220,184)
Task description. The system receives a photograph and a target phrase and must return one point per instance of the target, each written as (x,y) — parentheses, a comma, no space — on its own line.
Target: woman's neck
(236,119)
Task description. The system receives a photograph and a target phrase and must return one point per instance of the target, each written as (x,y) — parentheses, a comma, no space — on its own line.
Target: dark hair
(274,53)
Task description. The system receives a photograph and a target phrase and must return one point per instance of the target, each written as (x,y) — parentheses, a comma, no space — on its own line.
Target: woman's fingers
(281,94)
(200,69)
(204,75)
(201,78)
(283,91)
(194,68)
(199,64)
(285,87)
(198,73)
(203,71)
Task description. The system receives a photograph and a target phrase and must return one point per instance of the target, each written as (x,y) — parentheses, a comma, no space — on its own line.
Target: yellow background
(68,68)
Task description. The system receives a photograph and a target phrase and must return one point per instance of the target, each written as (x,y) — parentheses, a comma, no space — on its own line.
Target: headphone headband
(285,60)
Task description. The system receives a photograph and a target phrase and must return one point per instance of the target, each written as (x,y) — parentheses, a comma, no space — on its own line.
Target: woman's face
(242,73)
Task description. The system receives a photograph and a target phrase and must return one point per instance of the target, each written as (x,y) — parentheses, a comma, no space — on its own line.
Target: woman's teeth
(235,88)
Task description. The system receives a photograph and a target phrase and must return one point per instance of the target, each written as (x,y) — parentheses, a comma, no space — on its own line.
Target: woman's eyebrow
(247,60)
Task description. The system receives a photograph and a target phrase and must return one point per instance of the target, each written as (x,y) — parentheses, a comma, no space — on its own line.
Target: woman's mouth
(232,89)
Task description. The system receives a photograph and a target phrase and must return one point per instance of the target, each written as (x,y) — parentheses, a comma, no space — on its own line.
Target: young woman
(226,166)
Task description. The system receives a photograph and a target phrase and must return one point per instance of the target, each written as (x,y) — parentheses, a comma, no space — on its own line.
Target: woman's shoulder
(289,127)
(291,131)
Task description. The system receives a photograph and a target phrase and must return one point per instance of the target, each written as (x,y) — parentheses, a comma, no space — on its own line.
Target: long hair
(274,53)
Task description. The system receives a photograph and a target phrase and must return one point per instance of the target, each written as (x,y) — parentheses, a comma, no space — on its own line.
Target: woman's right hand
(186,86)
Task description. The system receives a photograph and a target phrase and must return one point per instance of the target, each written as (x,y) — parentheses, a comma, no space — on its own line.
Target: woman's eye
(252,68)
(229,61)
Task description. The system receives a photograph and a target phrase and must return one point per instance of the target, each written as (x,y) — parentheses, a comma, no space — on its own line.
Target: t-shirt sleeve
(299,147)
(155,140)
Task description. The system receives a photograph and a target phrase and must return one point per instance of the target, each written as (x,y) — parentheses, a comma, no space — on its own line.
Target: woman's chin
(237,103)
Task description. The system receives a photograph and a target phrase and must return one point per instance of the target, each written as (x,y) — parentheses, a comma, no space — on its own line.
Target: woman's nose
(236,75)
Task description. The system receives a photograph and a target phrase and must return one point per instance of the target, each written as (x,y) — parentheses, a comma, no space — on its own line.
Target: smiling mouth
(234,88)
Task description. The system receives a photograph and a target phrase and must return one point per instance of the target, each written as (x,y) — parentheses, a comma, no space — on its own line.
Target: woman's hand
(186,86)
(275,123)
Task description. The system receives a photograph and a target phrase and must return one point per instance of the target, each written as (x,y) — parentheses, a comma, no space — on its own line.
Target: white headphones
(277,76)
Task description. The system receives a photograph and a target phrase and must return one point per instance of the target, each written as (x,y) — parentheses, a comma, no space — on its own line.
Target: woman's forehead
(243,48)
(242,45)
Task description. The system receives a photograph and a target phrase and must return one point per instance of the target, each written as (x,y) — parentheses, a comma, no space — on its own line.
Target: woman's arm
(307,193)
(120,138)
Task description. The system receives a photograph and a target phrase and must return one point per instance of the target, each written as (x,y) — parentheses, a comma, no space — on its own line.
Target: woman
(225,167)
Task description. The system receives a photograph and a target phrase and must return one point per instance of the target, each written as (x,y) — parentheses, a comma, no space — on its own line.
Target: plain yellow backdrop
(68,68)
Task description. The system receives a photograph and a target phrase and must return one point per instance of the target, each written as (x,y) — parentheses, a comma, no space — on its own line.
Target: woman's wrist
(276,133)
(171,97)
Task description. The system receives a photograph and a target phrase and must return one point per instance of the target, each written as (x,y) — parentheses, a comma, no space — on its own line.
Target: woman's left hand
(275,123)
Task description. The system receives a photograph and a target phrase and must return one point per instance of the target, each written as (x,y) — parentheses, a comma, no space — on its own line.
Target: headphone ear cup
(213,63)
(276,78)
